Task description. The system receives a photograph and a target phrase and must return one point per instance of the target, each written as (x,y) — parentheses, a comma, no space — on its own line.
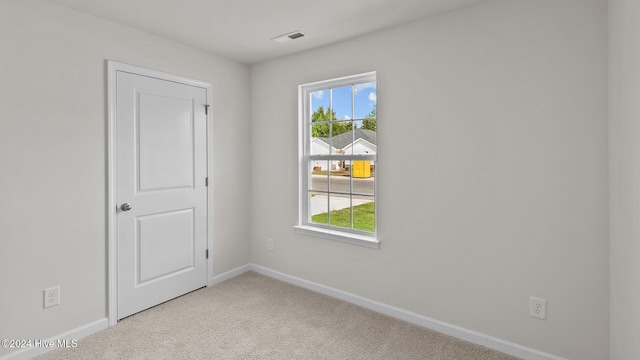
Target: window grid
(350,156)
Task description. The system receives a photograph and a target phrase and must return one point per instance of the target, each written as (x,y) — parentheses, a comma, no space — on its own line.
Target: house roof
(345,139)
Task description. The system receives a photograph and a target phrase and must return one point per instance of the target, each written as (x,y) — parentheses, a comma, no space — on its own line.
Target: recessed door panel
(165,244)
(164,141)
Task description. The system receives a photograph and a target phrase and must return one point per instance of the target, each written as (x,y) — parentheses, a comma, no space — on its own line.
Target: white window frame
(305,226)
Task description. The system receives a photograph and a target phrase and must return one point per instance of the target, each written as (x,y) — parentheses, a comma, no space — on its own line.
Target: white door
(161,195)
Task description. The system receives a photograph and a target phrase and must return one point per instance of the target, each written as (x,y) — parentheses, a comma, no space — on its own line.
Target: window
(337,154)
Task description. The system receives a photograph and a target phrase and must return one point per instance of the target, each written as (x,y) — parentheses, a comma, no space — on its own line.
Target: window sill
(355,239)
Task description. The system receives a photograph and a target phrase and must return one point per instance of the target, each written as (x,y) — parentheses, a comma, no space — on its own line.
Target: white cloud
(373,97)
(346,117)
(360,87)
(318,95)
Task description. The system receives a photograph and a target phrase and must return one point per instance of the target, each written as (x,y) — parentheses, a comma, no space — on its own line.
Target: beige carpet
(256,317)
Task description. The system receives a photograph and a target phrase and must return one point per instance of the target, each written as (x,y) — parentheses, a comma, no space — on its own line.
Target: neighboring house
(360,141)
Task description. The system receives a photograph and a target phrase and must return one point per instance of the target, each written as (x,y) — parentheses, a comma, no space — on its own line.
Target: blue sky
(365,97)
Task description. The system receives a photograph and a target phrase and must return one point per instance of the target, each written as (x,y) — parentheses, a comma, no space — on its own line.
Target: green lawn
(363,217)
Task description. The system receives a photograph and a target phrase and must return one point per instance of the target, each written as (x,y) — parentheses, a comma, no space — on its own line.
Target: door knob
(125,207)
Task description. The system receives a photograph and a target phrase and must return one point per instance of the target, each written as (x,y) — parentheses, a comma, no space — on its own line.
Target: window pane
(319,99)
(364,213)
(363,177)
(365,99)
(340,180)
(320,130)
(340,206)
(318,191)
(320,139)
(319,176)
(318,207)
(342,136)
(341,99)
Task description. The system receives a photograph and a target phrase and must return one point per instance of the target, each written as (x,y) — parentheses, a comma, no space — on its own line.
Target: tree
(323,130)
(370,123)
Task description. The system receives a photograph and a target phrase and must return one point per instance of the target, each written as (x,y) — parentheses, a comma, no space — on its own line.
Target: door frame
(113,67)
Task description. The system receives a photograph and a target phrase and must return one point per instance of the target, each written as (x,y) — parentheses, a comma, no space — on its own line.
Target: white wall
(624,146)
(503,106)
(53,158)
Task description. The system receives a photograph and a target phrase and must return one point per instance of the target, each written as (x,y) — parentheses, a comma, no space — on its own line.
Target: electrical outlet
(51,296)
(538,308)
(270,244)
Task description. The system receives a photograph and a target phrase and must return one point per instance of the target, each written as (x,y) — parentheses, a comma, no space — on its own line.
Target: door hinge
(206,254)
(206,109)
(206,181)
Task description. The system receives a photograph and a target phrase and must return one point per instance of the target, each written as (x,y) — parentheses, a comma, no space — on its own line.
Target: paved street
(341,184)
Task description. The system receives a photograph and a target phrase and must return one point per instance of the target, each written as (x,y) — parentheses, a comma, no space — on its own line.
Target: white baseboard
(471,336)
(227,275)
(69,336)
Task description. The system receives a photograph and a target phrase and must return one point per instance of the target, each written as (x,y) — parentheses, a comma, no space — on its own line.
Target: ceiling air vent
(288,37)
(296,35)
